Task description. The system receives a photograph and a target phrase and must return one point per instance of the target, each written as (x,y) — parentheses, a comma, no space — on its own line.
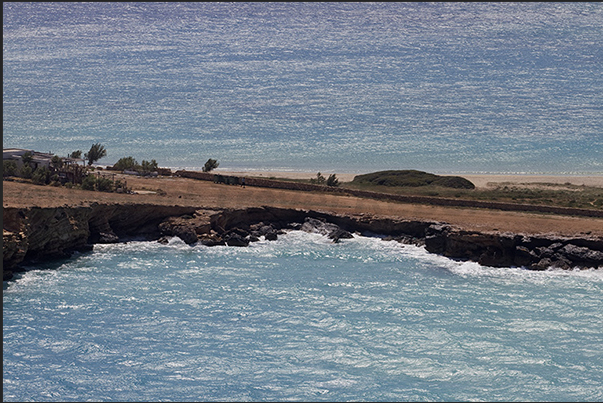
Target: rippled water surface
(299,319)
(331,87)
(339,87)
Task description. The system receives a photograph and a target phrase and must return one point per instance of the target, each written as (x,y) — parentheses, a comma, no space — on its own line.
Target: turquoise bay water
(299,319)
(331,87)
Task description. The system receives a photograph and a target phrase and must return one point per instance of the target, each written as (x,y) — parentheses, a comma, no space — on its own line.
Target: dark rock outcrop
(321,226)
(183,232)
(42,233)
(270,231)
(188,227)
(211,239)
(234,239)
(505,250)
(581,255)
(126,220)
(271,236)
(34,234)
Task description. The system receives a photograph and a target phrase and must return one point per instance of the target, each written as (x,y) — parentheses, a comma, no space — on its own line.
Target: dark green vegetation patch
(412,178)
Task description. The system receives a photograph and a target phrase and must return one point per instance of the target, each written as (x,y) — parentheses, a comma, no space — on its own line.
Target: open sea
(331,87)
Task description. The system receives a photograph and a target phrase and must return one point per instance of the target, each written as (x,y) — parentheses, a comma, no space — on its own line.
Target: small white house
(38,159)
(16,154)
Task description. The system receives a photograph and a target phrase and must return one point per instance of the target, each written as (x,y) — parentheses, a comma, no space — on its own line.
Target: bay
(299,319)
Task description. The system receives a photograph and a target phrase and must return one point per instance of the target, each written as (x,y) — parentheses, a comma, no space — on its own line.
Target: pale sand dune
(479,181)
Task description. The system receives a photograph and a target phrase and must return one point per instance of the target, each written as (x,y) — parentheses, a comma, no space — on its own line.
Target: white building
(38,159)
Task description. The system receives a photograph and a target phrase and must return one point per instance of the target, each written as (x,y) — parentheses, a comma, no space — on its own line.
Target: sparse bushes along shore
(320,180)
(130,164)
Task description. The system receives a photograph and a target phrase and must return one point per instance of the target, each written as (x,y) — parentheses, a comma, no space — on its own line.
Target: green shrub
(9,168)
(119,185)
(319,180)
(55,180)
(412,178)
(27,158)
(40,176)
(147,167)
(131,164)
(104,184)
(332,180)
(455,182)
(89,182)
(403,178)
(126,163)
(210,165)
(26,171)
(56,162)
(97,151)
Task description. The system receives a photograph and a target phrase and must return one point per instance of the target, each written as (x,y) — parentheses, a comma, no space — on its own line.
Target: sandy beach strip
(494,179)
(343,177)
(479,180)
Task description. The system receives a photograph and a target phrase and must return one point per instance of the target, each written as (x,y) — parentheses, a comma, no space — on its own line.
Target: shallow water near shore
(299,319)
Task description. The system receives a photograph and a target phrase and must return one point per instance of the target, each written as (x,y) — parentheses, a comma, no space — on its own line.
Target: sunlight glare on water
(442,87)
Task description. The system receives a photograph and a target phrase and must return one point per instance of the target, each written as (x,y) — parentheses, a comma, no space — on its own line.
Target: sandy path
(484,180)
(182,191)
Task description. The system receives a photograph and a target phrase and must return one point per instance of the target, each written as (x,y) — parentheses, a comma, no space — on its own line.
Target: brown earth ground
(204,194)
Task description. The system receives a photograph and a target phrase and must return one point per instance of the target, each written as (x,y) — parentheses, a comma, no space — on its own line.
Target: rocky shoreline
(39,234)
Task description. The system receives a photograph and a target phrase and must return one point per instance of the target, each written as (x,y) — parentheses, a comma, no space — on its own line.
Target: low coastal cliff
(487,248)
(32,234)
(35,233)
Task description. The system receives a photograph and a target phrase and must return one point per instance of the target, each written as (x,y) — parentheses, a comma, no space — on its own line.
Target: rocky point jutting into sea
(36,234)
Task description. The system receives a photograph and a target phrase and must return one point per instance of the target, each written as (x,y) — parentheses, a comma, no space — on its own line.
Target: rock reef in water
(38,234)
